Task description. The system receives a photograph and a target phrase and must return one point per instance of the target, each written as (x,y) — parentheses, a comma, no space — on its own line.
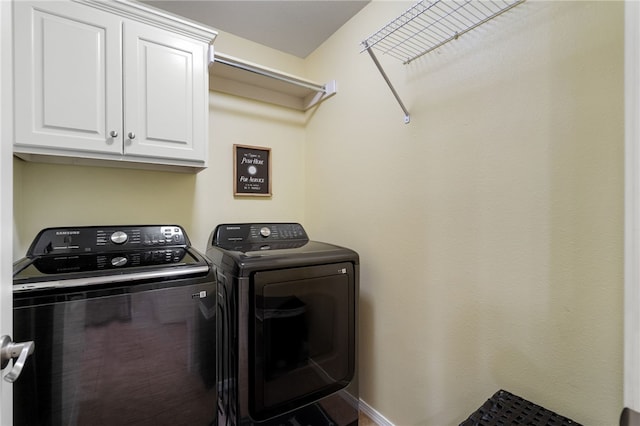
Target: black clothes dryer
(287,312)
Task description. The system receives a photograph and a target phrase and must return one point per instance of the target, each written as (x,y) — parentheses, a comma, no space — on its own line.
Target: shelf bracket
(407,116)
(328,90)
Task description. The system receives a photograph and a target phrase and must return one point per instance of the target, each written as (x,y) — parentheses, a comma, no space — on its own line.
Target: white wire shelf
(242,78)
(429,25)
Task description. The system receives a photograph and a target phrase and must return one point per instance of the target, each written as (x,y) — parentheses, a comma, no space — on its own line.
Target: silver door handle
(10,350)
(131,135)
(113,134)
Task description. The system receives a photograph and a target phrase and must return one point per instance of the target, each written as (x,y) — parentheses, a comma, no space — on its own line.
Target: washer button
(265,231)
(119,261)
(119,237)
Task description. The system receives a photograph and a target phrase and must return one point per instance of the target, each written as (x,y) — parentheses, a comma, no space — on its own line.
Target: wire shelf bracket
(428,25)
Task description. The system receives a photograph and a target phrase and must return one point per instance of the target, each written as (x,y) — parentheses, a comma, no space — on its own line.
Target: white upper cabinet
(114,81)
(164,96)
(68,77)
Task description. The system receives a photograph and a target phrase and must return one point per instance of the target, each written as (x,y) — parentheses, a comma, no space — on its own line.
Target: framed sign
(251,171)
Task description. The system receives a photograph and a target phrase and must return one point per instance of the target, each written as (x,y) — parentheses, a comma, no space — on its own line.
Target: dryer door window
(303,336)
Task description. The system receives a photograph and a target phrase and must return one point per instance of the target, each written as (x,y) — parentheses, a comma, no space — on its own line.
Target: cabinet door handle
(113,134)
(131,135)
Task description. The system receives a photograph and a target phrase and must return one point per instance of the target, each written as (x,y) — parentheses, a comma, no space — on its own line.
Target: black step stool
(506,409)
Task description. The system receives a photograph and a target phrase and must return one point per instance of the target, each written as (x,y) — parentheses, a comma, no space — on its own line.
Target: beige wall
(490,228)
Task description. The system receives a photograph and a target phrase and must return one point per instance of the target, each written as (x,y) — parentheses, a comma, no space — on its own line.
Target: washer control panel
(96,239)
(248,236)
(98,261)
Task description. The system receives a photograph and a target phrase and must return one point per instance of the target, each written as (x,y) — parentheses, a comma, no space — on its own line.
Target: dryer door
(303,336)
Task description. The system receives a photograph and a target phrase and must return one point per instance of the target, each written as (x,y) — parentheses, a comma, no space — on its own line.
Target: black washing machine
(123,320)
(287,313)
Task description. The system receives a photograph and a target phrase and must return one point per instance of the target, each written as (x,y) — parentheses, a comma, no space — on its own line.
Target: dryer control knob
(265,231)
(119,237)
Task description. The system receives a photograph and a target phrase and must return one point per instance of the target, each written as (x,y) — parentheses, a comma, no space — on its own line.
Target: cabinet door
(165,94)
(68,79)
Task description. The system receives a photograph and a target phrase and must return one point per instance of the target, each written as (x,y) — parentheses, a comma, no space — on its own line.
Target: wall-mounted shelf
(428,25)
(242,78)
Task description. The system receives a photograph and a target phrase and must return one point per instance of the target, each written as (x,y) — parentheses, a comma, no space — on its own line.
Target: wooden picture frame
(251,171)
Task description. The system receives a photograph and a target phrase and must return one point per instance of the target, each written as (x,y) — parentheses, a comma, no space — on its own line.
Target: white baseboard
(374,415)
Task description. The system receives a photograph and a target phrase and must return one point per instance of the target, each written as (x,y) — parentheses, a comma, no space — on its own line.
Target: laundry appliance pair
(134,326)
